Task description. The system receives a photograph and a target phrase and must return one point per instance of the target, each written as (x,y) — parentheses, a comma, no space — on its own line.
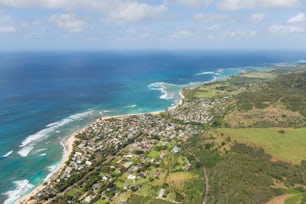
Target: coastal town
(117,156)
(186,154)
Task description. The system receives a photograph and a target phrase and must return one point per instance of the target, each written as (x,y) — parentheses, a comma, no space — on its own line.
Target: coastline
(68,148)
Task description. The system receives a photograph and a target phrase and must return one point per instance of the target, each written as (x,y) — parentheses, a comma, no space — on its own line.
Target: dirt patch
(274,159)
(279,199)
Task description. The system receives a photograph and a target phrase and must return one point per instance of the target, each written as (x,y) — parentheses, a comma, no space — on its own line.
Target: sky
(152,24)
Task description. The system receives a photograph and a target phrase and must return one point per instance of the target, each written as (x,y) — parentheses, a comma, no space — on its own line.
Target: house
(161,193)
(88,163)
(131,177)
(175,149)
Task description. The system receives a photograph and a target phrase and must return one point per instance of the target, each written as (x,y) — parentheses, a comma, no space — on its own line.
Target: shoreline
(68,148)
(69,141)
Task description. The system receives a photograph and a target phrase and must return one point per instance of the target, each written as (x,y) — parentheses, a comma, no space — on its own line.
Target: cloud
(182,34)
(235,34)
(68,22)
(136,12)
(33,35)
(55,4)
(250,4)
(5,18)
(7,29)
(195,3)
(285,29)
(253,33)
(297,19)
(257,17)
(209,17)
(118,10)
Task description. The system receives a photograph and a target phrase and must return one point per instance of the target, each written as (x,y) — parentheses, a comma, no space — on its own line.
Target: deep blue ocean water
(46,96)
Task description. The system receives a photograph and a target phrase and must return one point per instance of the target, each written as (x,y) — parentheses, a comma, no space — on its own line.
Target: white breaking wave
(40,150)
(22,187)
(283,64)
(162,87)
(133,106)
(81,116)
(51,169)
(8,153)
(220,70)
(213,79)
(215,75)
(302,61)
(205,73)
(25,151)
(43,154)
(28,144)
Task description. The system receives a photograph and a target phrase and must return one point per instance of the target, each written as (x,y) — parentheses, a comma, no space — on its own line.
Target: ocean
(47,96)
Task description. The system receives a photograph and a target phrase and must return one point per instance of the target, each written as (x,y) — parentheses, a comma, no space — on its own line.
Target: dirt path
(205,178)
(206,185)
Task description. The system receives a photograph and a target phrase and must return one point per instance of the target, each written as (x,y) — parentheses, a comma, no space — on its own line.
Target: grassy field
(286,144)
(101,202)
(255,74)
(73,192)
(178,179)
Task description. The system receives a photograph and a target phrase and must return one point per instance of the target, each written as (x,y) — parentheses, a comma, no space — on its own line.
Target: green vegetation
(293,199)
(246,175)
(179,185)
(289,89)
(230,87)
(75,192)
(137,199)
(101,202)
(249,174)
(245,137)
(283,144)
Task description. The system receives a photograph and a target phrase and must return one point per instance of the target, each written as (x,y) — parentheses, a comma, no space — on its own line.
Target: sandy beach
(68,148)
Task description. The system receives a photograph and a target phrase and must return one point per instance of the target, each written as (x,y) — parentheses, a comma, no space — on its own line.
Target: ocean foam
(25,151)
(22,187)
(282,64)
(81,116)
(302,62)
(205,73)
(43,154)
(28,144)
(133,106)
(215,75)
(162,87)
(8,154)
(51,169)
(40,150)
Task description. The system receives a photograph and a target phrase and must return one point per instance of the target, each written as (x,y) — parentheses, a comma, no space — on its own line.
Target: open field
(256,74)
(270,116)
(286,144)
(178,179)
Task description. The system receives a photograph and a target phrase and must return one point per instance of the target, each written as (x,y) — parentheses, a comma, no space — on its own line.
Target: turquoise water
(47,96)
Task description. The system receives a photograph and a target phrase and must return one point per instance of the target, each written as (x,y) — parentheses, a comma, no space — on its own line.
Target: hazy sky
(152,24)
